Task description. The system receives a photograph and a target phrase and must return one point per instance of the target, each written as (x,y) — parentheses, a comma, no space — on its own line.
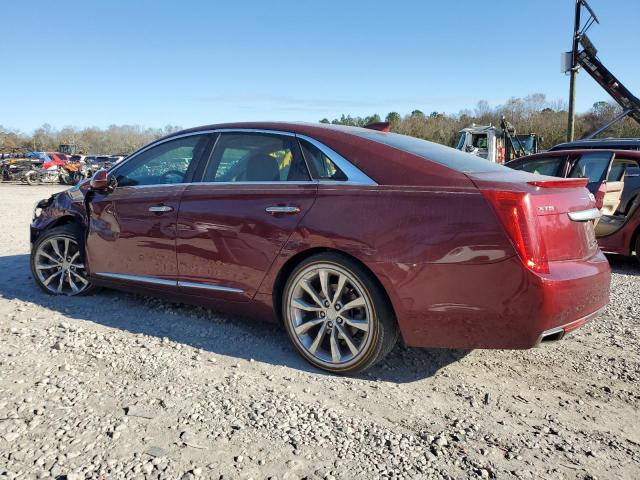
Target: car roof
(387,158)
(580,151)
(598,143)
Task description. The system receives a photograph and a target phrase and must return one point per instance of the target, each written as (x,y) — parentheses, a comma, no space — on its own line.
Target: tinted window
(163,164)
(591,165)
(449,157)
(542,166)
(255,157)
(618,168)
(321,166)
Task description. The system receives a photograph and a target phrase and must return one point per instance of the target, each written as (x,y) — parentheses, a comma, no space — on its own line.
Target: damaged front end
(60,209)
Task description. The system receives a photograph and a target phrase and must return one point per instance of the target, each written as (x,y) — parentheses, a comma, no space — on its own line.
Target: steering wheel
(172,172)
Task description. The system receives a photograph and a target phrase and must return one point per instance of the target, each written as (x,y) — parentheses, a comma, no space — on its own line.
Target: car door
(595,166)
(132,228)
(552,165)
(231,226)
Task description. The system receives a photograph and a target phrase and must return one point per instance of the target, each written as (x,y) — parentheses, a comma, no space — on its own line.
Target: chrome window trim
(137,278)
(355,176)
(255,130)
(208,286)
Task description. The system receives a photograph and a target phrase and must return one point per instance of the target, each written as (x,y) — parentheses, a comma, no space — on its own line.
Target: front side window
(479,141)
(255,157)
(542,166)
(164,164)
(591,165)
(321,166)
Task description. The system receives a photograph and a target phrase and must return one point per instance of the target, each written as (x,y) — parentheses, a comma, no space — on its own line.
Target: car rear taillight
(521,224)
(600,194)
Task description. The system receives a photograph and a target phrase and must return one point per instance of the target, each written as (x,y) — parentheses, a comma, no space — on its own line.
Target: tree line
(531,114)
(113,140)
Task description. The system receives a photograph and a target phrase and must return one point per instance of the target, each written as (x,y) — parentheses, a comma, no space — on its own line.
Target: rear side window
(542,166)
(255,157)
(321,166)
(591,165)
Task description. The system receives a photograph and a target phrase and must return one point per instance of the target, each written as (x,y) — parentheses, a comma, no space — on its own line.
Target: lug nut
(322,314)
(339,320)
(326,304)
(338,306)
(330,325)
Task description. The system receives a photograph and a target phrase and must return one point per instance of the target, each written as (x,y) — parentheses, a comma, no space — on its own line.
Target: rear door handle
(160,209)
(282,209)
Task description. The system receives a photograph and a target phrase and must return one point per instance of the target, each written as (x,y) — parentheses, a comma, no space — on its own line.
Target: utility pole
(574,73)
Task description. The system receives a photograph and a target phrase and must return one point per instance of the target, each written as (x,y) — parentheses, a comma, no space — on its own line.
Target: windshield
(525,141)
(463,137)
(447,156)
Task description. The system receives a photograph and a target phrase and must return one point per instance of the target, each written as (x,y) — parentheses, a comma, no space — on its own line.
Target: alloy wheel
(59,267)
(330,314)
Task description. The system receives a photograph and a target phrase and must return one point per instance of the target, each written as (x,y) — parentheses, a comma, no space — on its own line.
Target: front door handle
(282,209)
(160,209)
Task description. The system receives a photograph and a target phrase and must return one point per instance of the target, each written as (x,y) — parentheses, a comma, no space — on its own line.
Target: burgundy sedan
(349,236)
(613,177)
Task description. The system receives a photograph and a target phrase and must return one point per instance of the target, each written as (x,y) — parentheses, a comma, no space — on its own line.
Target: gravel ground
(121,386)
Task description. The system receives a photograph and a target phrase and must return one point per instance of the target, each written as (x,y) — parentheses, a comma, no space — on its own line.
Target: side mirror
(632,172)
(100,180)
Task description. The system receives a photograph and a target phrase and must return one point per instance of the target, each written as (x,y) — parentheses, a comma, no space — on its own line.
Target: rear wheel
(57,262)
(336,314)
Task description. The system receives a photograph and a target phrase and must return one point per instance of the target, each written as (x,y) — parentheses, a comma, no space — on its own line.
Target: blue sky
(86,63)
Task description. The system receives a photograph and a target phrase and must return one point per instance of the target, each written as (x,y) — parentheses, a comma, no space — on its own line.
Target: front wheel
(57,262)
(336,314)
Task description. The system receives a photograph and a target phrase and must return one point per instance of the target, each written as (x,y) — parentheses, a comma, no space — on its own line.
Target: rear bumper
(558,333)
(499,305)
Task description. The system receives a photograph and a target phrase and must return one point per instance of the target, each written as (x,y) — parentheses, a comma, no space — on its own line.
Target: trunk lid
(547,203)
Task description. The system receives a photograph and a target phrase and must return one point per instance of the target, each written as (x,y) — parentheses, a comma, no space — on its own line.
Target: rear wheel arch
(295,260)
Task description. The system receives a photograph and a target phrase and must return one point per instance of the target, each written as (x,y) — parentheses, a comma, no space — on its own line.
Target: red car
(613,177)
(56,159)
(349,236)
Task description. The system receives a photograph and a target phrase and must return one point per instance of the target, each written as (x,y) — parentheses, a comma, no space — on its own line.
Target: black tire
(382,327)
(29,178)
(70,232)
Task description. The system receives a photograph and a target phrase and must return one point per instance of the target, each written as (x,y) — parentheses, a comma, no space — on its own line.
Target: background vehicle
(497,144)
(614,179)
(347,235)
(599,144)
(96,162)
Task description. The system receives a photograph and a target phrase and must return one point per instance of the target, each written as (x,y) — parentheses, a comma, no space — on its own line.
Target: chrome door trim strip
(207,286)
(585,215)
(137,278)
(355,176)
